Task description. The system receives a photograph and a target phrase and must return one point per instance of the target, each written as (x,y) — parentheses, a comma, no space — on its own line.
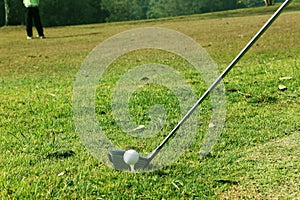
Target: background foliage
(71,12)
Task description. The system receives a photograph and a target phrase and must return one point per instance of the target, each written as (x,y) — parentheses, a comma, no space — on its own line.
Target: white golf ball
(131,157)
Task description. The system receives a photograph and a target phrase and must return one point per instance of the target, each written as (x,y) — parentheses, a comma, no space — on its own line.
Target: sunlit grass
(42,155)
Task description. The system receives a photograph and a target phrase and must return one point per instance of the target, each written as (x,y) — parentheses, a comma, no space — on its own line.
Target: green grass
(257,156)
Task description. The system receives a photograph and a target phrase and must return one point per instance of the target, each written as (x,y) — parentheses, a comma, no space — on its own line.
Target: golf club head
(116,157)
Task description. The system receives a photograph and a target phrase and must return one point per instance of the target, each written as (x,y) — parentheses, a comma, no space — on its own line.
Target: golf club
(116,156)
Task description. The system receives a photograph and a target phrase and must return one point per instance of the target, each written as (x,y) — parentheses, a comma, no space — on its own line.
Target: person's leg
(29,22)
(37,22)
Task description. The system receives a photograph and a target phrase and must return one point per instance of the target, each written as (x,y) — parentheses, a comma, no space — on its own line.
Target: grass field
(256,157)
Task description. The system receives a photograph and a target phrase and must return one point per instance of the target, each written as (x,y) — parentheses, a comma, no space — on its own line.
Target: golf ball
(131,157)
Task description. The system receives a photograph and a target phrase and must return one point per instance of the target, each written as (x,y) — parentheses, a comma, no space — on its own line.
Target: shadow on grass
(60,154)
(74,35)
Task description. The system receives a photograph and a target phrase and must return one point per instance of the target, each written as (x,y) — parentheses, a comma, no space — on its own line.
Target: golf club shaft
(223,74)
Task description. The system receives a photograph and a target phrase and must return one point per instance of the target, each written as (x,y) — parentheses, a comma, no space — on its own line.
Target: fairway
(256,156)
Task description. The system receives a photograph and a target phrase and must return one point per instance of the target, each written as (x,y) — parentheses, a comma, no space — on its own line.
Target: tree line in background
(72,12)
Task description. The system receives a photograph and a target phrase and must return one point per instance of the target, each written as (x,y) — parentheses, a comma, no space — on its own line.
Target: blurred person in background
(32,14)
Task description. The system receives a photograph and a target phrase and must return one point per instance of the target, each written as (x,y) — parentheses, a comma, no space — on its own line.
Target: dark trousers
(32,13)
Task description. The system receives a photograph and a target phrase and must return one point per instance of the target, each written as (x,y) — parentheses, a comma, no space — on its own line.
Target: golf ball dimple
(131,157)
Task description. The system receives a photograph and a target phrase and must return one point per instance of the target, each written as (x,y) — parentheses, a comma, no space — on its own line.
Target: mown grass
(256,157)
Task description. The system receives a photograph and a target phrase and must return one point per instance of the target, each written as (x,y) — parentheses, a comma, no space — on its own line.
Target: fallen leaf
(236,90)
(61,173)
(245,95)
(145,78)
(232,89)
(282,87)
(211,125)
(140,127)
(53,95)
(285,78)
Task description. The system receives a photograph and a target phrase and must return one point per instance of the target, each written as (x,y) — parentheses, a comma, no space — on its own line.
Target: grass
(256,157)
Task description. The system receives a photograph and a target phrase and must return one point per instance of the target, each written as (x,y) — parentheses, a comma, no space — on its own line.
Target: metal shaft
(223,74)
